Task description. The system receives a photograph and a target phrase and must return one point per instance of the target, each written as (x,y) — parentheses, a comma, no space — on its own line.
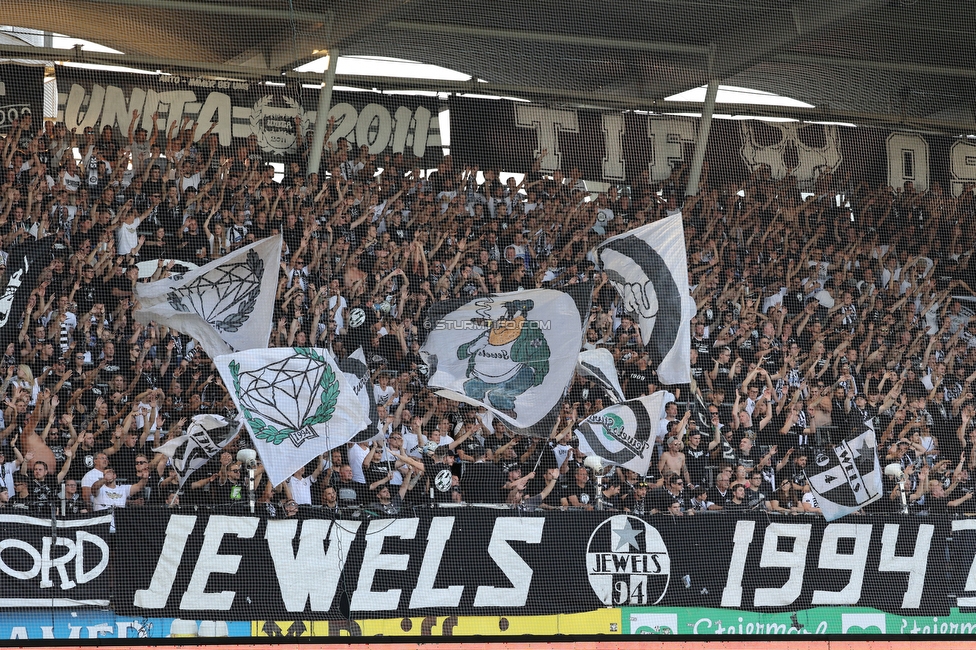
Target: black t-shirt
(697,462)
(482,483)
(440,476)
(377,472)
(661,500)
(637,506)
(43,493)
(586,495)
(192,243)
(736,507)
(718,498)
(123,461)
(88,294)
(637,381)
(228,492)
(83,461)
(122,283)
(755,498)
(746,460)
(351,493)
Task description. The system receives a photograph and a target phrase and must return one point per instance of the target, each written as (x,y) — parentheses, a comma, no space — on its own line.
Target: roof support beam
(558,39)
(761,34)
(891,66)
(221,9)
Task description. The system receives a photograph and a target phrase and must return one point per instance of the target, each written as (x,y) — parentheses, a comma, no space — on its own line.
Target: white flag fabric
(512,353)
(648,267)
(848,477)
(598,363)
(360,381)
(295,402)
(226,305)
(623,434)
(204,438)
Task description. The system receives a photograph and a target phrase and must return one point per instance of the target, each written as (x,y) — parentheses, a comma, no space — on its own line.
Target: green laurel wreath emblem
(327,403)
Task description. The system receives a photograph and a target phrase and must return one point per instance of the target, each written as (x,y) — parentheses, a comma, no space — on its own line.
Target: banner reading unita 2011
(386,124)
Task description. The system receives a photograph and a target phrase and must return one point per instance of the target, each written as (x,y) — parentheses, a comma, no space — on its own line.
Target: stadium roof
(904,63)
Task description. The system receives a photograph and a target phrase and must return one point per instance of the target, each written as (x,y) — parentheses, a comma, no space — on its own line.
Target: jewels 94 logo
(628,562)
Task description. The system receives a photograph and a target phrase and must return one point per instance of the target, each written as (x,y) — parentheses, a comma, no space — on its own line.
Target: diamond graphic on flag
(273,391)
(225,297)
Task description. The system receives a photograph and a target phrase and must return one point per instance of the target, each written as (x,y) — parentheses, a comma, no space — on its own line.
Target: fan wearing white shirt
(106,494)
(299,486)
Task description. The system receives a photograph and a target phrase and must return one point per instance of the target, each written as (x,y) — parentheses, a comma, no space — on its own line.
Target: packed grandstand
(825,357)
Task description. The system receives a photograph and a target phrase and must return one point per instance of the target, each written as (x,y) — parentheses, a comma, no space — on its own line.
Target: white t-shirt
(301,489)
(7,471)
(411,444)
(340,313)
(71,182)
(356,456)
(109,497)
(90,477)
(127,236)
(382,395)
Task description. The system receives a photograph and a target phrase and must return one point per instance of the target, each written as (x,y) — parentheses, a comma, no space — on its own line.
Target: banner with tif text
(635,146)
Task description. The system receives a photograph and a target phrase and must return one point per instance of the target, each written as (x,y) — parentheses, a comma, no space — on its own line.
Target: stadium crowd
(815,314)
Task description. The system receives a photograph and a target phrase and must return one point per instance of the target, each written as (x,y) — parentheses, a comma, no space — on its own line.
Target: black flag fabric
(25,263)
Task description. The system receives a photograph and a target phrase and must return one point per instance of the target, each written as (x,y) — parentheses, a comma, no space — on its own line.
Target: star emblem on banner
(625,537)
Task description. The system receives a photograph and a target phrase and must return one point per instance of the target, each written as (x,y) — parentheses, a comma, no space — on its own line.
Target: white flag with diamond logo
(295,402)
(227,304)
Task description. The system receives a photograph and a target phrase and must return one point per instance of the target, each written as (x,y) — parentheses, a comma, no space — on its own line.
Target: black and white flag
(227,305)
(204,438)
(599,365)
(511,353)
(623,434)
(356,370)
(847,477)
(25,263)
(648,267)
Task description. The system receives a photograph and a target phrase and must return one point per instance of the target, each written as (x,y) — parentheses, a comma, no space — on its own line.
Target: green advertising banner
(818,620)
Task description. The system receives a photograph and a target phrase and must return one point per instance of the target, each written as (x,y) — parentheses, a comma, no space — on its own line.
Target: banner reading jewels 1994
(471,562)
(387,124)
(21,93)
(631,146)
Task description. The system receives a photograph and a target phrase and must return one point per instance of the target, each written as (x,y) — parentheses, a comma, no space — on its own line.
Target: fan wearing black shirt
(663,499)
(696,455)
(482,480)
(738,503)
(720,494)
(43,486)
